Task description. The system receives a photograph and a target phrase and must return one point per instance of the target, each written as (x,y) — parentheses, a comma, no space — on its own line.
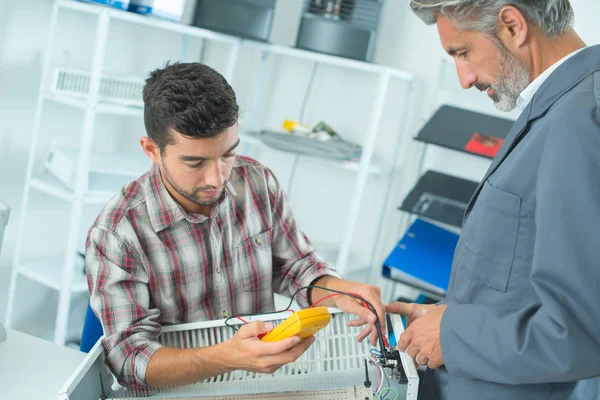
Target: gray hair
(553,17)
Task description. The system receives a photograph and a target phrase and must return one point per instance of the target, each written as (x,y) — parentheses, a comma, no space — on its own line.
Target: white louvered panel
(333,363)
(115,89)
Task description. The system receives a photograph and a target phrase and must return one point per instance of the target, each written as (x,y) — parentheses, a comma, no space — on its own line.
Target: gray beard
(512,79)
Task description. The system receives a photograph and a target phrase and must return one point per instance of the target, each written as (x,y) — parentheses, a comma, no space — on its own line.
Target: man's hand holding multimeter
(247,352)
(259,347)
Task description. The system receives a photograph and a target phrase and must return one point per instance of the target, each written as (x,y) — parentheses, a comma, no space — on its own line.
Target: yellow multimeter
(303,323)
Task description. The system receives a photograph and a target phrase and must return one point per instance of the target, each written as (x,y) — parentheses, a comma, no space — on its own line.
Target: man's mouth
(483,88)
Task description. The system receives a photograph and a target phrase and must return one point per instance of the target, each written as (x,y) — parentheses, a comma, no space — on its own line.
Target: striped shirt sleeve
(120,297)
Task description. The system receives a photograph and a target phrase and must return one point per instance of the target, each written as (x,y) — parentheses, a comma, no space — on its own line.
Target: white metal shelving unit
(94,93)
(366,165)
(63,271)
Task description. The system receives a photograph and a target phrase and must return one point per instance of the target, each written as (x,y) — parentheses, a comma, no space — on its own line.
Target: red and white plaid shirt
(149,263)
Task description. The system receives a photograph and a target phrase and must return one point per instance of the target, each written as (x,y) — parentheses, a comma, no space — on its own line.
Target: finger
(405,339)
(280,346)
(373,296)
(356,322)
(420,359)
(400,308)
(350,305)
(364,333)
(412,352)
(291,354)
(254,329)
(379,307)
(374,337)
(377,290)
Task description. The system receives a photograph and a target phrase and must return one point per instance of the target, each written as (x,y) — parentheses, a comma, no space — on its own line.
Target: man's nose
(214,176)
(466,75)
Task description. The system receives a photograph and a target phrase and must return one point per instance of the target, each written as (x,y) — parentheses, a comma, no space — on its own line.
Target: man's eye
(463,55)
(197,165)
(229,155)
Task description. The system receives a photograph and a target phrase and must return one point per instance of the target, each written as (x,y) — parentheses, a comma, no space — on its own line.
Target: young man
(520,319)
(203,235)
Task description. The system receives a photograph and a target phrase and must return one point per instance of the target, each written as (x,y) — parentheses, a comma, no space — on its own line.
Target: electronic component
(332,368)
(303,323)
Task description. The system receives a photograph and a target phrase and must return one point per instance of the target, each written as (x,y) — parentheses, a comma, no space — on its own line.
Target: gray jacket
(523,316)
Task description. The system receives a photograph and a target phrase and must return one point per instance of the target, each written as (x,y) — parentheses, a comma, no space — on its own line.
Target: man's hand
(353,306)
(247,352)
(411,311)
(421,339)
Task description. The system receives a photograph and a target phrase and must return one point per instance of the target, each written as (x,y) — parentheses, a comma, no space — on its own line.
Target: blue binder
(423,257)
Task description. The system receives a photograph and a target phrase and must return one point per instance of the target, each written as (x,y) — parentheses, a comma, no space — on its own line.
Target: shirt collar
(527,95)
(164,211)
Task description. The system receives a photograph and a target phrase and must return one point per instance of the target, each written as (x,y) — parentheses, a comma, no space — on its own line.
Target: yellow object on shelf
(289,125)
(303,323)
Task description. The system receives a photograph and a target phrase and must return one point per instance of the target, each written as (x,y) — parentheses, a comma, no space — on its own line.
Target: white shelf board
(119,167)
(49,184)
(327,59)
(353,166)
(81,102)
(233,40)
(149,21)
(48,271)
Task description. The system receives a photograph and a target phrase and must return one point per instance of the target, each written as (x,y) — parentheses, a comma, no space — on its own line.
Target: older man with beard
(520,319)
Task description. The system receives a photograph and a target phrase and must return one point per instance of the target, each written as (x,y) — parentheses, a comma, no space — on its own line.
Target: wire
(387,389)
(324,298)
(365,302)
(246,322)
(379,374)
(375,352)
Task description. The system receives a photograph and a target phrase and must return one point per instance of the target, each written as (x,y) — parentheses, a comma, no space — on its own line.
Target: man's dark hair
(191,98)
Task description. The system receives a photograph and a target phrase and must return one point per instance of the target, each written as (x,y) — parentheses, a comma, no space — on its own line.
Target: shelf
(354,166)
(48,271)
(327,59)
(149,21)
(201,33)
(98,194)
(104,179)
(119,168)
(440,197)
(81,102)
(454,128)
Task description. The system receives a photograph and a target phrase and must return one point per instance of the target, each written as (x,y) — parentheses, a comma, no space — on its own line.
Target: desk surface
(33,368)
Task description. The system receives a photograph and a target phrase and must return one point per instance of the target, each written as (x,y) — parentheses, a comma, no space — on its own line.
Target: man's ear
(151,149)
(512,28)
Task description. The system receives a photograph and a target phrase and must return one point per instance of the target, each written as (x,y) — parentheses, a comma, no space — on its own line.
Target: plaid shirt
(149,263)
